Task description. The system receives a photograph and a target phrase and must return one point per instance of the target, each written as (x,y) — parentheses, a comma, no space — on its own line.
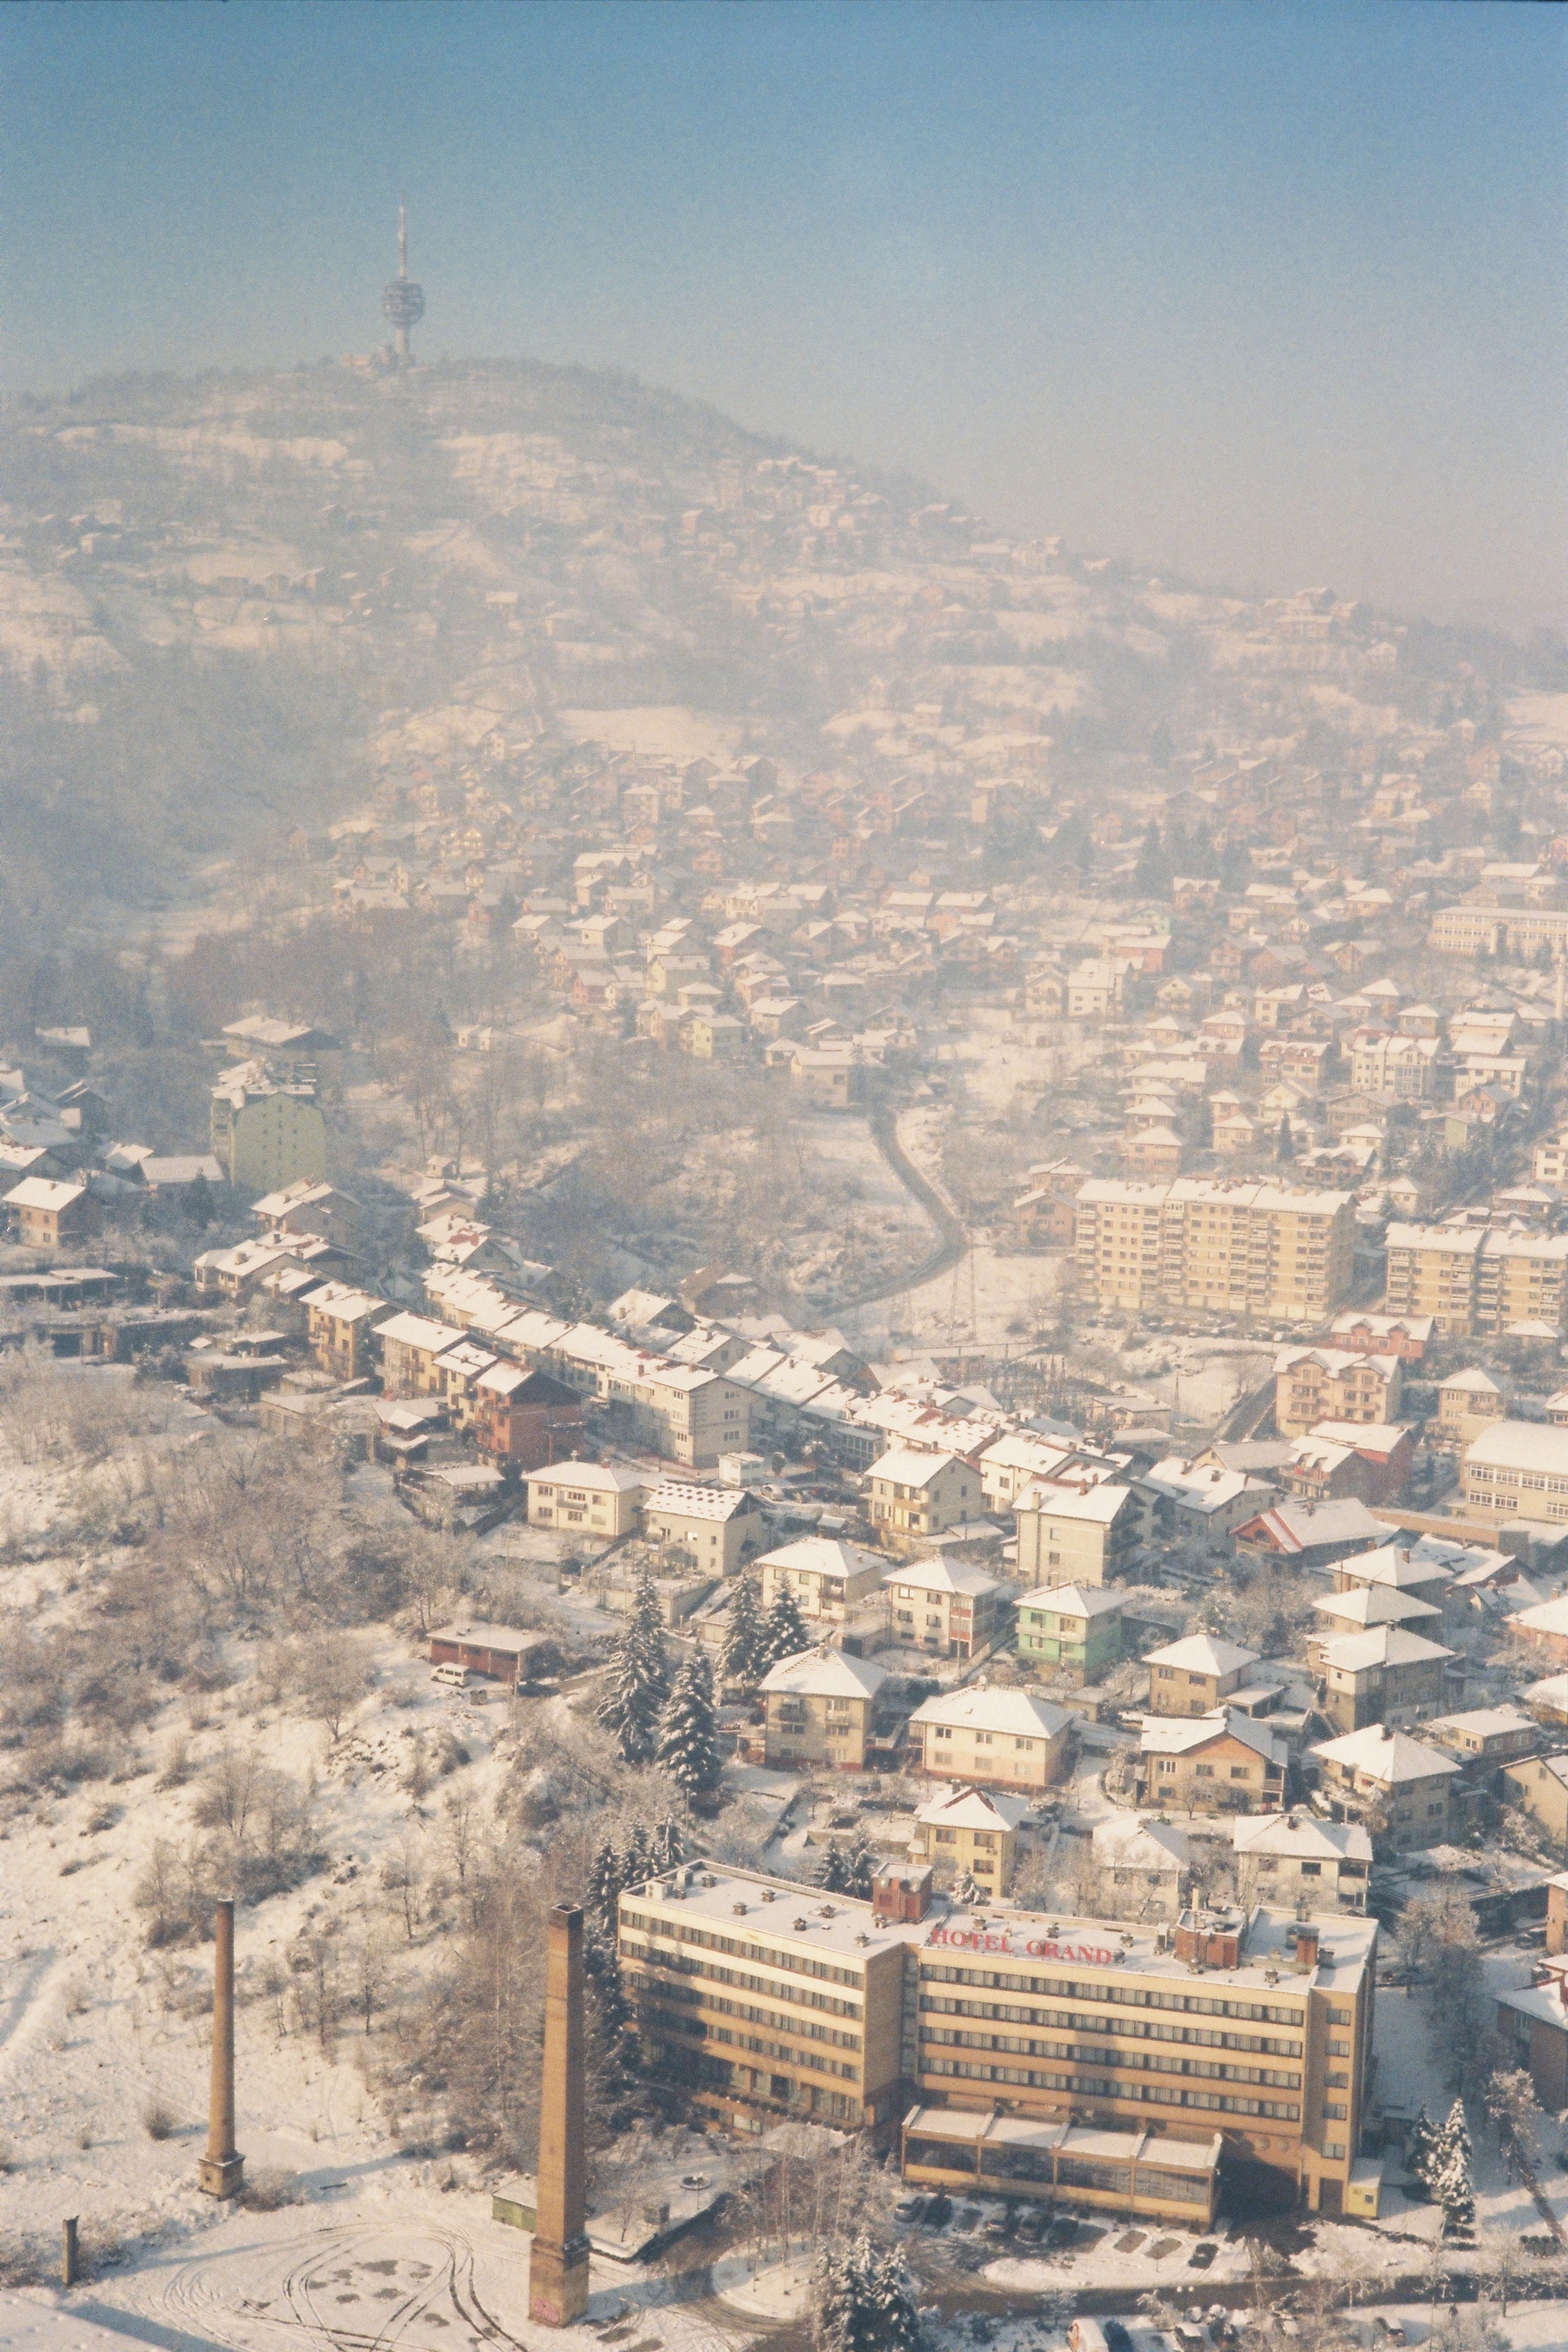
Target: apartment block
(1203,1246)
(1099,2064)
(1473,1281)
(1517,1470)
(1318,1384)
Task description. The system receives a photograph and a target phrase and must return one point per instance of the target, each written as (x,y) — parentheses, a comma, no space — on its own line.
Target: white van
(450,1677)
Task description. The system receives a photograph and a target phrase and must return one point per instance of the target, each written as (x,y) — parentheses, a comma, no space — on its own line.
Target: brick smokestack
(558,2260)
(221,2171)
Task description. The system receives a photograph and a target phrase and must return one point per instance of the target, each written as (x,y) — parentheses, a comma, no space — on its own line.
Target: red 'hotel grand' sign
(1031,1947)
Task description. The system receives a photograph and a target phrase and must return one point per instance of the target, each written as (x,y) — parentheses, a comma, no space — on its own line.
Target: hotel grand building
(1101,2064)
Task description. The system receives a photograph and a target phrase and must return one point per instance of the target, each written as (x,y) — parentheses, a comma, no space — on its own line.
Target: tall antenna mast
(402,301)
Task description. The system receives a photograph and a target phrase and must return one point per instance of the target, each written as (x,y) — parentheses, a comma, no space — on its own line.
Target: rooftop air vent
(800,1926)
(739,1909)
(709,1879)
(827,1912)
(862,1937)
(770,1895)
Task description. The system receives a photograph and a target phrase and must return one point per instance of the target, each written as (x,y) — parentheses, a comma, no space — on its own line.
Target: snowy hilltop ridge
(230,603)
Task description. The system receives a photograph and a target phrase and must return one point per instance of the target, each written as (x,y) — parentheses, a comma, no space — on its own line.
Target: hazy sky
(1275,294)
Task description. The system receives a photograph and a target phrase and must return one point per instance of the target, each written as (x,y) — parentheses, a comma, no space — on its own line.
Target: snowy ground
(992,1299)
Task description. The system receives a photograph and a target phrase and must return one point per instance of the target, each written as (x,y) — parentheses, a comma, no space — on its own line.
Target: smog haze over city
(783,1177)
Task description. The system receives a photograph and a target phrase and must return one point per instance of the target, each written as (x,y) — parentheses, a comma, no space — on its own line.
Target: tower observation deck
(402,301)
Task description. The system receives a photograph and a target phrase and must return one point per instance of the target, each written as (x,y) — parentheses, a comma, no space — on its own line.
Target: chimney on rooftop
(1306,1941)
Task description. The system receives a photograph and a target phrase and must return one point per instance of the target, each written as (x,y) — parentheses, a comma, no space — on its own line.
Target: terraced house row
(1126,2061)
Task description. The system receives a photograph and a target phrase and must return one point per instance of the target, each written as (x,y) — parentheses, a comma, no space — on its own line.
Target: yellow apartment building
(1210,1245)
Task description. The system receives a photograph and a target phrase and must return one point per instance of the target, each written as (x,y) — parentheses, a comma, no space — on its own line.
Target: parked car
(909,2210)
(1032,2226)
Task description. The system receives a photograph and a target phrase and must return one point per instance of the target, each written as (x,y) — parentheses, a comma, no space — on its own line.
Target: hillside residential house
(340,1323)
(1387,1674)
(1545,1628)
(915,1496)
(1073,1631)
(716,1527)
(1144,1862)
(526,1417)
(589,1498)
(1318,1384)
(973,1834)
(412,1347)
(1540,1786)
(1400,1567)
(1191,1676)
(1283,1857)
(47,1213)
(1218,1763)
(1468,1403)
(825,1578)
(1311,1534)
(1075,1534)
(948,1606)
(818,1708)
(1397,1786)
(1485,1735)
(1005,1739)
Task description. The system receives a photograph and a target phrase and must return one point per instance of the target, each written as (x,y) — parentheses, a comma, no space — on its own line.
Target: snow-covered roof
(1393,1565)
(901,1465)
(1125,1841)
(823,1556)
(1384,1645)
(419,1331)
(1178,1735)
(1521,1445)
(1296,1527)
(975,1808)
(1203,1654)
(1014,1712)
(1075,1600)
(1385,1755)
(43,1192)
(1301,1837)
(940,1574)
(1098,1504)
(1547,1617)
(1473,1383)
(826,1673)
(673,1498)
(1375,1604)
(594,1477)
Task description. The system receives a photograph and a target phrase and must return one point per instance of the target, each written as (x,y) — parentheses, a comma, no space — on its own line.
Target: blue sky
(1275,294)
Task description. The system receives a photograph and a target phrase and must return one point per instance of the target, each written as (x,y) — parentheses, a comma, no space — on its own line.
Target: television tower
(402,301)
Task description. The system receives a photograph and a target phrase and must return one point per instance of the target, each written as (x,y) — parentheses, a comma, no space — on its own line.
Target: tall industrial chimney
(221,2171)
(558,2260)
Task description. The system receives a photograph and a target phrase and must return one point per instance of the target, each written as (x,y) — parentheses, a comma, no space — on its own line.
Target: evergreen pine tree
(741,1658)
(687,1737)
(832,1875)
(637,1862)
(865,2301)
(783,1631)
(896,2319)
(638,1680)
(1452,2183)
(604,1884)
(668,1844)
(1285,1149)
(1419,2149)
(859,1865)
